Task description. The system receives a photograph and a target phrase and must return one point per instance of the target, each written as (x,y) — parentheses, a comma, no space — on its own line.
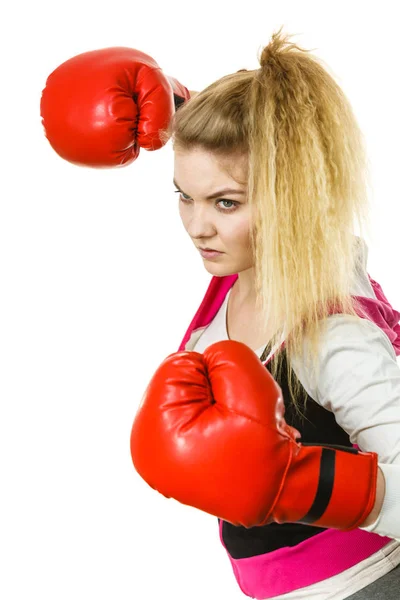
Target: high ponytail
(307,186)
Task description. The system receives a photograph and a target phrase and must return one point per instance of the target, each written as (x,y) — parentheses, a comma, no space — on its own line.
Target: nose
(199,224)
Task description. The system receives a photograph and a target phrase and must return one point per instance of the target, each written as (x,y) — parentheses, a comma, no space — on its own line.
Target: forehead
(199,166)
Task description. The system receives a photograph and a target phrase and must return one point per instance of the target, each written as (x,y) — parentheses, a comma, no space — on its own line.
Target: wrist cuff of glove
(181,93)
(328,487)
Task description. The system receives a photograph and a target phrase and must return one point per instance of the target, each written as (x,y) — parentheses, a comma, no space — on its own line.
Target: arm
(359,382)
(380,494)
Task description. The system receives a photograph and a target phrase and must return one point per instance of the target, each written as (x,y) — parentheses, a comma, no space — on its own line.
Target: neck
(243,296)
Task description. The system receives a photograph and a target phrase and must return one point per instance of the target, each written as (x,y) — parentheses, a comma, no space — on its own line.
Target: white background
(99,282)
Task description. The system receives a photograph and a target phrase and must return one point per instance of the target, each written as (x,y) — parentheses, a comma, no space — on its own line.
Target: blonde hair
(307,177)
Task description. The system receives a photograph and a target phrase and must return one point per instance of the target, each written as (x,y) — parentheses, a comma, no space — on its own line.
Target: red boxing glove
(99,108)
(210,432)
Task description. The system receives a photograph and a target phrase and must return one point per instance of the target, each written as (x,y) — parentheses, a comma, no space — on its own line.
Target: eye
(228,209)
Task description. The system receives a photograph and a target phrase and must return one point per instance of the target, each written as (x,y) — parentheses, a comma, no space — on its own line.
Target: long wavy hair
(307,184)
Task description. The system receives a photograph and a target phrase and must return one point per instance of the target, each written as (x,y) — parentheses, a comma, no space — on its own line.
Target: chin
(219,270)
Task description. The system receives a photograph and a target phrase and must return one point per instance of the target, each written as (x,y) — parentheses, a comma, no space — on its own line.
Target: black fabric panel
(243,543)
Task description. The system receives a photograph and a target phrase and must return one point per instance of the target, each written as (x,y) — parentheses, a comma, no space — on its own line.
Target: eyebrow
(215,194)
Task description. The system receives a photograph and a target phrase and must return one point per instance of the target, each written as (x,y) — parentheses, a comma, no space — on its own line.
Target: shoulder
(350,347)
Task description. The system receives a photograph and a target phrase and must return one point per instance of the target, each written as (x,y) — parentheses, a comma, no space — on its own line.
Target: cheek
(182,214)
(240,233)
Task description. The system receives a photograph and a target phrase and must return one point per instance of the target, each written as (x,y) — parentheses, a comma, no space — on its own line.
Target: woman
(284,139)
(289,282)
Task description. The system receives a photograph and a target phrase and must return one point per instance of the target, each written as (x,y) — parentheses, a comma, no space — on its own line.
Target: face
(221,223)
